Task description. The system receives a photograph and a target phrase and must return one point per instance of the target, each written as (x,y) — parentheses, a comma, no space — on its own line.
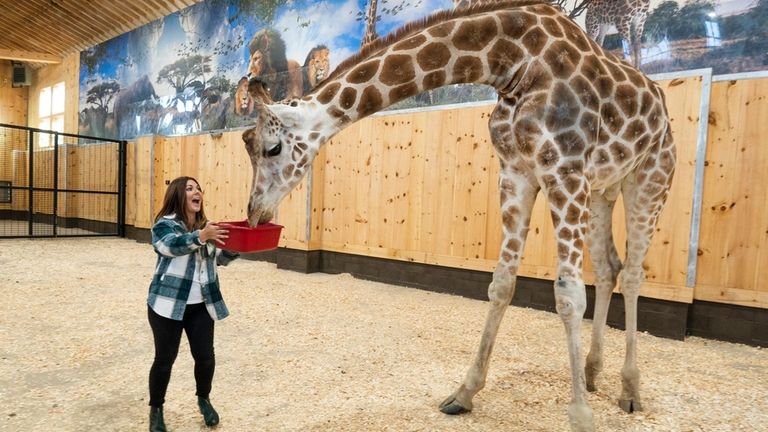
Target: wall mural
(188,72)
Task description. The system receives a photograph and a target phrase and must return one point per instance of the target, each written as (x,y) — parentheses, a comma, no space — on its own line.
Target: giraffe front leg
(518,194)
(568,198)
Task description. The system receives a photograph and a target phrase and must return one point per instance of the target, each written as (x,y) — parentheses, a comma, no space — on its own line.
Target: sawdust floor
(324,353)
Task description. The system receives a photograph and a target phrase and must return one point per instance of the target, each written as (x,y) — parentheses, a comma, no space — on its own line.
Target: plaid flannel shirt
(180,254)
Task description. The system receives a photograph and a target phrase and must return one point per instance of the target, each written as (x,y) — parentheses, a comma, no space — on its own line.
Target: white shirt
(195,294)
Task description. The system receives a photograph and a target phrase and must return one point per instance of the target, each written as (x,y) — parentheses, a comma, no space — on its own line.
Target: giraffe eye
(274,151)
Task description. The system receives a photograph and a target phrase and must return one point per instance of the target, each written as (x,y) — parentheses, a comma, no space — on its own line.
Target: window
(51,112)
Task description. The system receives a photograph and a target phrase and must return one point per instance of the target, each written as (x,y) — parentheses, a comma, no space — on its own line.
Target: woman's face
(194,199)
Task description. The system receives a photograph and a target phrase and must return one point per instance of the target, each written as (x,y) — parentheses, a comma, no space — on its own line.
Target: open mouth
(196,201)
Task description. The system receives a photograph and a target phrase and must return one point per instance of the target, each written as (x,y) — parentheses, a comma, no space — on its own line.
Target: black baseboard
(94,226)
(658,317)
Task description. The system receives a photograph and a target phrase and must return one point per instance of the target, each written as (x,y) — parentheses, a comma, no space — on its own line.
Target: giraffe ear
(288,115)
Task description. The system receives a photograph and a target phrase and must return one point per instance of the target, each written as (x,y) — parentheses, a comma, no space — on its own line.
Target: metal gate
(56,184)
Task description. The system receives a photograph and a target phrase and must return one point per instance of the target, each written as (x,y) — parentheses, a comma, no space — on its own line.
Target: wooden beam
(29,56)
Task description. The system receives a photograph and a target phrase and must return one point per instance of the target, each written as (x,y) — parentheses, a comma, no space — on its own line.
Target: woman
(184,294)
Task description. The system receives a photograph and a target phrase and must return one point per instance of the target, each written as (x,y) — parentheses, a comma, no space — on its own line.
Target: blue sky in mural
(205,29)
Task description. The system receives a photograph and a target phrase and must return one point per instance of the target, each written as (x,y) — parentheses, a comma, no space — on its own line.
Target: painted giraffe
(571,120)
(627,15)
(370,24)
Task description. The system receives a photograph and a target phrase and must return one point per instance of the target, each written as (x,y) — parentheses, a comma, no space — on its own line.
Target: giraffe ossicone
(572,121)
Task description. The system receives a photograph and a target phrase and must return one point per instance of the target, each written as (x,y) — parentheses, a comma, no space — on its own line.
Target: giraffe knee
(631,279)
(570,298)
(502,287)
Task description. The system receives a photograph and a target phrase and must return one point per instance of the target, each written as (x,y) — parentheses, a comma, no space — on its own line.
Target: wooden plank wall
(68,71)
(733,246)
(13,110)
(13,100)
(90,167)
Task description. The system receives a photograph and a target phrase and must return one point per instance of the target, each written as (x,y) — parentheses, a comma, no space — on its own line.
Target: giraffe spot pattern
(589,124)
(572,214)
(585,92)
(433,56)
(514,245)
(363,73)
(570,143)
(604,87)
(441,30)
(619,152)
(433,80)
(574,34)
(410,43)
(626,97)
(397,68)
(547,156)
(646,102)
(634,130)
(503,56)
(327,94)
(474,35)
(469,68)
(348,97)
(526,135)
(534,41)
(370,101)
(563,110)
(515,23)
(562,59)
(552,27)
(611,117)
(401,92)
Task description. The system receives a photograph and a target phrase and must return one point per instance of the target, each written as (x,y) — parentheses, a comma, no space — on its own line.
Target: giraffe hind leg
(606,264)
(644,196)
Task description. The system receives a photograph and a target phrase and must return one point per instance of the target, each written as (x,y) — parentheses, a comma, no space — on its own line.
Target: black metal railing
(55,184)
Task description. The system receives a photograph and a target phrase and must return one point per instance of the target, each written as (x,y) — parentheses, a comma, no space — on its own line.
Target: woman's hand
(212,231)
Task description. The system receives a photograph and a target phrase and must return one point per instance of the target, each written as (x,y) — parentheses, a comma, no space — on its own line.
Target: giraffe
(571,120)
(370,24)
(627,15)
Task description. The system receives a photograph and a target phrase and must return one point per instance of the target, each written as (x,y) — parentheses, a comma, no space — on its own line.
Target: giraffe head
(281,148)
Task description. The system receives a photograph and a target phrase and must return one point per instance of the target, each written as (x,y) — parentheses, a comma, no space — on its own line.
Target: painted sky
(206,28)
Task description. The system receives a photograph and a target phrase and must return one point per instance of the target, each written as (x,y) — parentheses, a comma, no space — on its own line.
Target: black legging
(198,325)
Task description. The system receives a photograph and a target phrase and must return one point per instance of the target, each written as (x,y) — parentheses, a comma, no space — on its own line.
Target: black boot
(156,422)
(210,415)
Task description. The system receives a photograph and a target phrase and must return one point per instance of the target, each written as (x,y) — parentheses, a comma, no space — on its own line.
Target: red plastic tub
(243,238)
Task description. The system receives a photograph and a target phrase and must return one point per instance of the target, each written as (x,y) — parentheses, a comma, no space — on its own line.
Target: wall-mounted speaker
(21,75)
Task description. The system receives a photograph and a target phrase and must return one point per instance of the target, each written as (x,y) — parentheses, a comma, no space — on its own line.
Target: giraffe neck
(479,46)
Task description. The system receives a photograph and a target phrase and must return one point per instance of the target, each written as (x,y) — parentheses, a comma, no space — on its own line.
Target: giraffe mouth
(259,216)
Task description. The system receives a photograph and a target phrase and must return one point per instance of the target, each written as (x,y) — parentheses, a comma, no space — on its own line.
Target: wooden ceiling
(44,31)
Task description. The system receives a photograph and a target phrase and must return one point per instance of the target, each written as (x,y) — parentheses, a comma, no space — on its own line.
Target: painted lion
(268,62)
(316,67)
(243,101)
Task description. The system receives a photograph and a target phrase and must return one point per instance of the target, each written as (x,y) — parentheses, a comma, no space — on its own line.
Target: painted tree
(102,94)
(661,20)
(186,74)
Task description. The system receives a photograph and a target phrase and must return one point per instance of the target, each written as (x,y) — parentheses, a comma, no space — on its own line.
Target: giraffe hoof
(629,405)
(453,407)
(591,387)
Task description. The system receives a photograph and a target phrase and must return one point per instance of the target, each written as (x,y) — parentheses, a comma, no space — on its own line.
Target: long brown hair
(175,200)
